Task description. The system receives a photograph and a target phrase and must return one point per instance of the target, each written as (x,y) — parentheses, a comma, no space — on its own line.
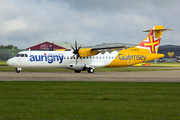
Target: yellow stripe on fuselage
(131,56)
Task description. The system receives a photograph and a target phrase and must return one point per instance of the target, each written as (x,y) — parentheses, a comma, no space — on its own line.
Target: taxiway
(144,76)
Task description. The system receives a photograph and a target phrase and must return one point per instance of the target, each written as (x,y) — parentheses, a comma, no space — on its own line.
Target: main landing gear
(89,70)
(77,71)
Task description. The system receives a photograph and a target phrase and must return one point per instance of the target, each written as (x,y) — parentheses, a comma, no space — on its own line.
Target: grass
(3,63)
(7,69)
(51,100)
(165,64)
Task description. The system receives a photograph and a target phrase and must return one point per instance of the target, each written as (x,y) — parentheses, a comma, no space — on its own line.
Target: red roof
(45,46)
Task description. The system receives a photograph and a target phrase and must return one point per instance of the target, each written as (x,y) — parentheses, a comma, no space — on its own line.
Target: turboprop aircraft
(89,59)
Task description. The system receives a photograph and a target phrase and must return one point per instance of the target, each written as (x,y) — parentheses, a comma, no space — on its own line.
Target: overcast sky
(25,23)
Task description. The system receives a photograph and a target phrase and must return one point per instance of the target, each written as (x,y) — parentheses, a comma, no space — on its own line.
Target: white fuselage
(59,59)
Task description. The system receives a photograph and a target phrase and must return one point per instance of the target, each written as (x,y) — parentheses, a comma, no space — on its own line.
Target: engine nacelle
(85,52)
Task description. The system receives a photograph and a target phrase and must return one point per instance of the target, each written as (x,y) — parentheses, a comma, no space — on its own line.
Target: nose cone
(9,62)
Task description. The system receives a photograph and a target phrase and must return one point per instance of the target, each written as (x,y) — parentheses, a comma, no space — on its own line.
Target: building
(171,53)
(56,45)
(45,46)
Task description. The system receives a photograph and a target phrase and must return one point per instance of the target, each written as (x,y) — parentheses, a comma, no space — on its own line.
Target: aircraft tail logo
(153,39)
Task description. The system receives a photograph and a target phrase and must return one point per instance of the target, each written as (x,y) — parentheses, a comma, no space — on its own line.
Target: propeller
(76,51)
(51,47)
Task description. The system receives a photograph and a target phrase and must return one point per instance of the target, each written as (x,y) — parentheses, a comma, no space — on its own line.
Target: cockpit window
(21,55)
(18,55)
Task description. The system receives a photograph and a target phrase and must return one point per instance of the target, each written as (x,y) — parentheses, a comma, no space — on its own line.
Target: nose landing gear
(18,70)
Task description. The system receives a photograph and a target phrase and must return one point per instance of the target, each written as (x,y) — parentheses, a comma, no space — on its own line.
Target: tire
(18,71)
(90,70)
(77,71)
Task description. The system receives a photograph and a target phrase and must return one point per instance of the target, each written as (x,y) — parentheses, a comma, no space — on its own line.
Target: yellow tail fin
(153,39)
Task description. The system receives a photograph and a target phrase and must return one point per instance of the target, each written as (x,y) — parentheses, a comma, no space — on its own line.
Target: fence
(5,54)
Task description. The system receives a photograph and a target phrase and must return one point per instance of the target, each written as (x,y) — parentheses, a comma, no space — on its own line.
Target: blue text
(49,58)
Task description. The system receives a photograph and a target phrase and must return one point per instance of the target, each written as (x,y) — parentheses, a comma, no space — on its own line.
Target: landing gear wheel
(77,71)
(90,70)
(18,71)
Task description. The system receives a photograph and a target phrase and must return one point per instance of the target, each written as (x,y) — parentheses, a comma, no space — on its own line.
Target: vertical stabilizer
(153,39)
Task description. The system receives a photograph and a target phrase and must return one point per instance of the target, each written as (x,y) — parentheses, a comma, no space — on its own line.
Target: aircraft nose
(9,62)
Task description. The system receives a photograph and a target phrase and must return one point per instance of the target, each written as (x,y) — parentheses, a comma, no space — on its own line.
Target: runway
(144,76)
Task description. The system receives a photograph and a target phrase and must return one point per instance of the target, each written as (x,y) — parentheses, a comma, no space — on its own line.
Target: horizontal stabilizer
(168,29)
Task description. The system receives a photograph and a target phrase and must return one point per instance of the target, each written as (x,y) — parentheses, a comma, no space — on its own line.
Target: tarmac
(143,76)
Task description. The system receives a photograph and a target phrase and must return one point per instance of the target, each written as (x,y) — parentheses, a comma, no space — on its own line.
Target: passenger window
(22,55)
(26,55)
(96,57)
(67,57)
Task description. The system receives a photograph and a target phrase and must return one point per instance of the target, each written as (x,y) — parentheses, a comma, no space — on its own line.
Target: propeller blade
(79,48)
(76,59)
(72,47)
(49,47)
(52,46)
(76,44)
(76,51)
(73,56)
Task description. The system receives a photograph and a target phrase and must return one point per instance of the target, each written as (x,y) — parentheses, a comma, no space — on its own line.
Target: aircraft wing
(103,50)
(106,48)
(85,52)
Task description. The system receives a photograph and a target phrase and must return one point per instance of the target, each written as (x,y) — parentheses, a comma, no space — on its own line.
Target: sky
(25,23)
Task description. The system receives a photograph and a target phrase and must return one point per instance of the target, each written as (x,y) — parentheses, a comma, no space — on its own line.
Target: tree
(8,47)
(2,47)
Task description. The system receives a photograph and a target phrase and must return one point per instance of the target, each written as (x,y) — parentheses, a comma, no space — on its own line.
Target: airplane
(89,59)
